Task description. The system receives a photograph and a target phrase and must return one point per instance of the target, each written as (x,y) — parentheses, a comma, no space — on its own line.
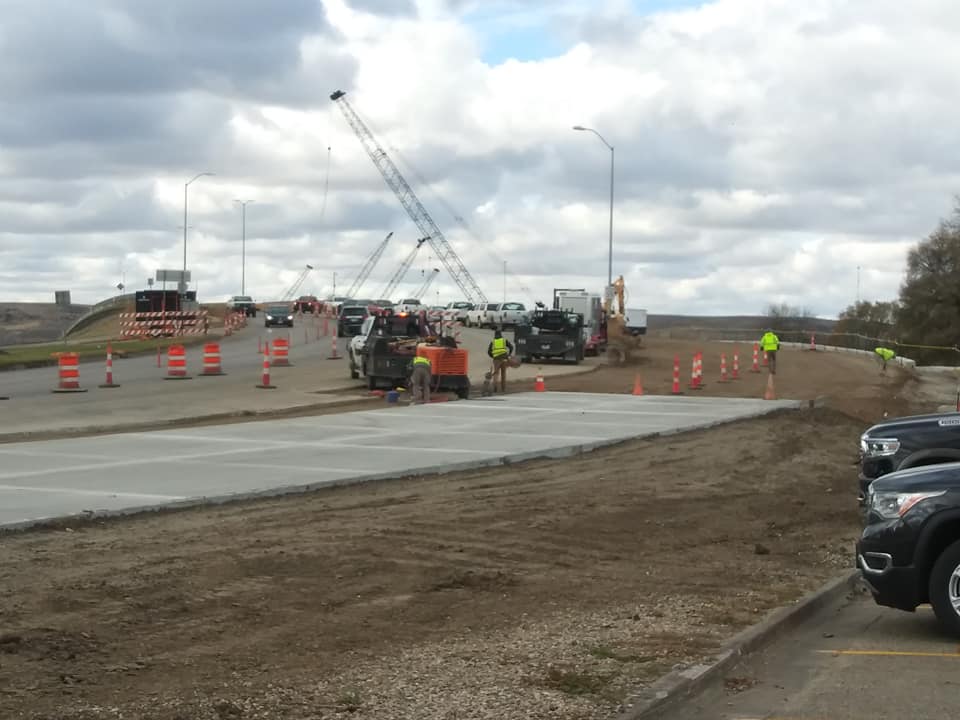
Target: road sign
(177,276)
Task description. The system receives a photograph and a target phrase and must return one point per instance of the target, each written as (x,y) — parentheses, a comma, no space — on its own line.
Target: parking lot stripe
(891,653)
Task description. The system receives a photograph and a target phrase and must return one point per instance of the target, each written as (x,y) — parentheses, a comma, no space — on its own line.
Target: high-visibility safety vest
(499,347)
(885,353)
(420,360)
(769,342)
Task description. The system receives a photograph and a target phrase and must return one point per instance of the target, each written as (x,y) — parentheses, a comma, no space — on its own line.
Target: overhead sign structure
(177,276)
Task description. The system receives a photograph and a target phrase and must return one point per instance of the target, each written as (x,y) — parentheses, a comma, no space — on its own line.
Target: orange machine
(449,367)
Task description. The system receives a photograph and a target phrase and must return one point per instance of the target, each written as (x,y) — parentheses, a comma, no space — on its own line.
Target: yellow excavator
(622,340)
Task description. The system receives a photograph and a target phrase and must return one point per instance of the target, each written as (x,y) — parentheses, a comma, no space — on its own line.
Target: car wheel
(944,589)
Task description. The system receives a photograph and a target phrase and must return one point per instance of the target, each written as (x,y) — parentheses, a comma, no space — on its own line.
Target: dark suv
(908,442)
(350,319)
(909,551)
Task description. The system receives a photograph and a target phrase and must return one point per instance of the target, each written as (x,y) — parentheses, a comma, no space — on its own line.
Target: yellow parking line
(891,653)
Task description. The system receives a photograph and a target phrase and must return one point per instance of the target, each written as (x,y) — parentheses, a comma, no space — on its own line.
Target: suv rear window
(353,311)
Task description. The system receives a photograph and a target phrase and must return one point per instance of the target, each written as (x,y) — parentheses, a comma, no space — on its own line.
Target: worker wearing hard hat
(500,349)
(770,343)
(420,380)
(883,355)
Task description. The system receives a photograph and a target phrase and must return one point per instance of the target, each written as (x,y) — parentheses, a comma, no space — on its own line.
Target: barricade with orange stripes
(177,363)
(211,360)
(68,370)
(281,352)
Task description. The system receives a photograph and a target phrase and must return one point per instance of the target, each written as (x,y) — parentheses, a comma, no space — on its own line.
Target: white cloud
(764,149)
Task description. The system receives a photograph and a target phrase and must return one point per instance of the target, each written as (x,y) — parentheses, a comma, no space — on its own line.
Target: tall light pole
(243,244)
(610,251)
(185,186)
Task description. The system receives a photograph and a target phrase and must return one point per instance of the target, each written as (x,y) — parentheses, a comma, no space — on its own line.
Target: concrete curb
(555,453)
(680,685)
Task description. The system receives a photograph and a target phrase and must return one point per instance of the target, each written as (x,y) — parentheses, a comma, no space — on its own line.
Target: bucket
(393,396)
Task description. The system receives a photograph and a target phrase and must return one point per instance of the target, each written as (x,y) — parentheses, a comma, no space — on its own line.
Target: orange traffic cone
(637,385)
(538,385)
(770,393)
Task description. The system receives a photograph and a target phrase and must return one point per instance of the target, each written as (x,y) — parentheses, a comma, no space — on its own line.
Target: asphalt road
(54,478)
(853,661)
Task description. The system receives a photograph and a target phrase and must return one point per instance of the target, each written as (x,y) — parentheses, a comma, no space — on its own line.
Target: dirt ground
(543,590)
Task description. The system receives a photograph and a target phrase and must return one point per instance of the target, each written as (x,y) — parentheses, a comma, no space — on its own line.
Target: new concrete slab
(133,471)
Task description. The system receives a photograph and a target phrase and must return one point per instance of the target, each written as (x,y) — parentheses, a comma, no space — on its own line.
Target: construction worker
(500,349)
(420,380)
(770,343)
(883,355)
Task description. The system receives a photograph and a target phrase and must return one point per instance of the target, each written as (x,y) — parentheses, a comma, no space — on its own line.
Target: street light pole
(610,249)
(185,186)
(243,244)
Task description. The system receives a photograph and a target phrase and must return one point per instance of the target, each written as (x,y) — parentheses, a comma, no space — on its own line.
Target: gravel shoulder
(548,589)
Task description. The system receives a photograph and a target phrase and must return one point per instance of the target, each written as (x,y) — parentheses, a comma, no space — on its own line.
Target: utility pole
(243,244)
(334,284)
(185,186)
(610,250)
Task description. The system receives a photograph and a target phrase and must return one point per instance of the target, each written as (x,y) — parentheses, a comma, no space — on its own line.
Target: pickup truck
(242,303)
(909,551)
(907,442)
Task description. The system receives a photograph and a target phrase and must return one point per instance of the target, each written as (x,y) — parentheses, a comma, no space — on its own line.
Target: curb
(683,684)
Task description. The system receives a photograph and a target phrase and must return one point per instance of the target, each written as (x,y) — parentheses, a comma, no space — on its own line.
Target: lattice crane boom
(411,203)
(292,290)
(422,290)
(401,272)
(368,267)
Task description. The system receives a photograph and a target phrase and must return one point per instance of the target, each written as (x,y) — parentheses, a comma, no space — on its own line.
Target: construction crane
(401,271)
(368,267)
(411,203)
(422,290)
(292,290)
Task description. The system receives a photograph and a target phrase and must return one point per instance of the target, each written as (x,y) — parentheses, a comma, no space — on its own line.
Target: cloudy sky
(764,148)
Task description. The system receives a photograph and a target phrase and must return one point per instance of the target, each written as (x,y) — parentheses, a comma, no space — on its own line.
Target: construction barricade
(281,352)
(164,324)
(211,360)
(177,363)
(108,381)
(68,371)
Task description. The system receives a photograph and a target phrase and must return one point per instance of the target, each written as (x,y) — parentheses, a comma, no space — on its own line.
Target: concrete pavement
(125,472)
(145,397)
(853,661)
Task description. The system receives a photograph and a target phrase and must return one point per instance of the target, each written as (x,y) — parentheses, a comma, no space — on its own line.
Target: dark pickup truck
(908,442)
(909,550)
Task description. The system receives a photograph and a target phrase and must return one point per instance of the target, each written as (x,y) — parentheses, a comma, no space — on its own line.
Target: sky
(765,151)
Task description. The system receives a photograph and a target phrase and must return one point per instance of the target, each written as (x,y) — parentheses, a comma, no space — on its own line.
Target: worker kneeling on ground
(500,349)
(883,356)
(420,380)
(770,343)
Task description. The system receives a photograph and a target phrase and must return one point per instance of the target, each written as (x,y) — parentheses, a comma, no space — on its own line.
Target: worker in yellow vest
(883,355)
(770,343)
(420,380)
(500,349)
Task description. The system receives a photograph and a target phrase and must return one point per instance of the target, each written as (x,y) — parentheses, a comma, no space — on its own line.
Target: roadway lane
(114,473)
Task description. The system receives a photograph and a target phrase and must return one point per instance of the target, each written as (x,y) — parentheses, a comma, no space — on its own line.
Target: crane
(422,290)
(401,271)
(292,290)
(411,203)
(368,267)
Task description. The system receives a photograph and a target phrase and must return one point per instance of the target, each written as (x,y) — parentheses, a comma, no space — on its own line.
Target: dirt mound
(22,323)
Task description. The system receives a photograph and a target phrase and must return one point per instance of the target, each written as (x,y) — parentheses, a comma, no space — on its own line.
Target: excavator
(622,329)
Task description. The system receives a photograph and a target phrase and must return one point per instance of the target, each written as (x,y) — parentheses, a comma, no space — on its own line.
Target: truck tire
(464,392)
(354,374)
(944,588)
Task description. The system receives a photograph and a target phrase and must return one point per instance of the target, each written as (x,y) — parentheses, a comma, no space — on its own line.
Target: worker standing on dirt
(420,380)
(883,356)
(770,343)
(500,349)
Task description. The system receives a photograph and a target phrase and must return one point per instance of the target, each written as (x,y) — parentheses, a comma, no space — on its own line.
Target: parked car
(242,303)
(458,310)
(909,550)
(349,319)
(483,314)
(907,442)
(278,315)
